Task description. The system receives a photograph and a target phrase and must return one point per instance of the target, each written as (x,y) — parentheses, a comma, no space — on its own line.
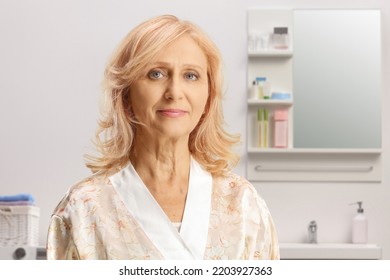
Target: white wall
(52,56)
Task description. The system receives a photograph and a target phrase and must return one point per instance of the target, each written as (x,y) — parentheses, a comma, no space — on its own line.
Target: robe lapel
(195,224)
(191,242)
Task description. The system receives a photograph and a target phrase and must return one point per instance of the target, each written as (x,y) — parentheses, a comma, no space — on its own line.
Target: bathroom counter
(330,251)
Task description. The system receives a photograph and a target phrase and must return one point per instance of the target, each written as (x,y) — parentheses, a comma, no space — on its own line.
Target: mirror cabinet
(314,95)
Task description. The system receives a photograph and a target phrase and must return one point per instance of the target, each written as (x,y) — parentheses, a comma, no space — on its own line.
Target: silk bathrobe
(116,217)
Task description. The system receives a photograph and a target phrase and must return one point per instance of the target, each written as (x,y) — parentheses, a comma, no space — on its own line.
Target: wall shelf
(313,151)
(314,165)
(271,53)
(269,102)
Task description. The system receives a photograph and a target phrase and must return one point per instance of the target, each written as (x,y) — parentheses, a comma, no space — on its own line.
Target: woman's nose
(174,89)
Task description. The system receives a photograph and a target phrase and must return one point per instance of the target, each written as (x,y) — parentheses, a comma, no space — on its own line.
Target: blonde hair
(208,143)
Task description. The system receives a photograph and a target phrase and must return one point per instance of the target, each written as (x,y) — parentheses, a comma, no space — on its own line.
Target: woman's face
(171,96)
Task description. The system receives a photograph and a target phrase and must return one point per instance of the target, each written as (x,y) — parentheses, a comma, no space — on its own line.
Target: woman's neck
(162,164)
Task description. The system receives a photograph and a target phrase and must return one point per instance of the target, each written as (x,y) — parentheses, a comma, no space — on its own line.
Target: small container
(261,83)
(254,91)
(280,96)
(264,41)
(359,226)
(280,38)
(280,129)
(260,128)
(266,90)
(266,128)
(252,42)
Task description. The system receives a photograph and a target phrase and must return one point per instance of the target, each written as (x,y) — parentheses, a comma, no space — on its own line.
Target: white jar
(280,38)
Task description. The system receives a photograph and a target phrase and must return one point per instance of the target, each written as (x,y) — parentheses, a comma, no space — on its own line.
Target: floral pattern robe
(117,218)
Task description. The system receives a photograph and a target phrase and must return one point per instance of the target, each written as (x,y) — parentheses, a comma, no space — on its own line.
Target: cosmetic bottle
(359,225)
(265,128)
(280,128)
(254,91)
(260,128)
(266,90)
(264,41)
(261,81)
(280,38)
(251,42)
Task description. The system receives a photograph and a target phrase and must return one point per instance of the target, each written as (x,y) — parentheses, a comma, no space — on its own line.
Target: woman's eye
(155,74)
(191,76)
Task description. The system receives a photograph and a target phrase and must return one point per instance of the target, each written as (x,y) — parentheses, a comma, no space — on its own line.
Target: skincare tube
(260,128)
(265,128)
(266,90)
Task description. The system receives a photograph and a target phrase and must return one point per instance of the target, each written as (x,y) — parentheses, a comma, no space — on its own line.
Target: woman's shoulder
(234,189)
(233,183)
(83,192)
(88,186)
(233,179)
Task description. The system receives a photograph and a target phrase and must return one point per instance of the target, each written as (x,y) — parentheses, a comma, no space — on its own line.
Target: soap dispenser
(359,225)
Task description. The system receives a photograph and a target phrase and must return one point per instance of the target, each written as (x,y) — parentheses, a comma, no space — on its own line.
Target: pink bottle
(280,129)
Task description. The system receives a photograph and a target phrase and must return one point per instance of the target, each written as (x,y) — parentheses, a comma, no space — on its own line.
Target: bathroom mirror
(337,79)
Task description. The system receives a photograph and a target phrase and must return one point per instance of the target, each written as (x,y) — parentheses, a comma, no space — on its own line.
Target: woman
(162,188)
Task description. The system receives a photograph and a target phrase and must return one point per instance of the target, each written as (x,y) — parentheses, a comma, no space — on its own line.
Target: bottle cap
(360,209)
(261,79)
(280,30)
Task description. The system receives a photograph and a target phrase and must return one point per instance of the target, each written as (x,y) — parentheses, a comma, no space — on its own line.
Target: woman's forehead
(184,50)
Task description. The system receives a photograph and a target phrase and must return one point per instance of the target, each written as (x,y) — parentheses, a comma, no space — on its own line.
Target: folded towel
(16,203)
(17,197)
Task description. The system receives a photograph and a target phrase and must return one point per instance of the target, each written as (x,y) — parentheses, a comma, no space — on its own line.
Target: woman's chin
(172,134)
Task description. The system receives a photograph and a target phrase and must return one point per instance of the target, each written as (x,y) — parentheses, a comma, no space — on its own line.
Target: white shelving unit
(274,64)
(292,164)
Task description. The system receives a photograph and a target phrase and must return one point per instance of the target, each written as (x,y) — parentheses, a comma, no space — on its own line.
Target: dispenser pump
(360,209)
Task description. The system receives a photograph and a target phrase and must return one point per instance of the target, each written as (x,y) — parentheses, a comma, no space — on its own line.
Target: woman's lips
(172,113)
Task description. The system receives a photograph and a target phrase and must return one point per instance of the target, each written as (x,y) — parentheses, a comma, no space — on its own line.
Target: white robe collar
(190,243)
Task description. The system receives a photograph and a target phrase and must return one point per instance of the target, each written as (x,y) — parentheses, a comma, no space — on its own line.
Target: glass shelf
(255,102)
(271,53)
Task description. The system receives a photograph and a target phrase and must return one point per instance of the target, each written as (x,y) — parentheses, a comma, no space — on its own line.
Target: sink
(330,251)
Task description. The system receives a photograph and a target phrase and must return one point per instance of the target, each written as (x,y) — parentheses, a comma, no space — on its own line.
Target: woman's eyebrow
(194,66)
(167,65)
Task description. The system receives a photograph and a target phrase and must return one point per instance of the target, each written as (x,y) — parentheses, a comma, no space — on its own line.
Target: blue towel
(17,197)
